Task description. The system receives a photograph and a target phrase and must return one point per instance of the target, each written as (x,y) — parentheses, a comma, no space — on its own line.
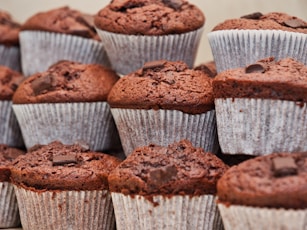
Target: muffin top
(164,85)
(9,30)
(67,81)
(149,17)
(63,20)
(275,181)
(267,79)
(9,81)
(63,167)
(179,169)
(208,67)
(269,21)
(7,155)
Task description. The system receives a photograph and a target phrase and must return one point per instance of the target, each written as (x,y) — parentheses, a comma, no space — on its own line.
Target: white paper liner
(176,212)
(237,217)
(41,49)
(9,127)
(65,209)
(128,53)
(239,48)
(141,127)
(90,122)
(10,56)
(261,126)
(9,214)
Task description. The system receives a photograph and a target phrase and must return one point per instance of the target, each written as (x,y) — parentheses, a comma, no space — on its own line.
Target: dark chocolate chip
(206,70)
(154,64)
(83,144)
(162,175)
(42,84)
(254,16)
(255,68)
(295,23)
(284,166)
(64,160)
(175,4)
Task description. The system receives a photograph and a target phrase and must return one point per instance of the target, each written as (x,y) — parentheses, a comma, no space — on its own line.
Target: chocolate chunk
(154,64)
(83,144)
(175,4)
(206,70)
(162,175)
(255,68)
(284,166)
(254,16)
(64,160)
(295,23)
(42,84)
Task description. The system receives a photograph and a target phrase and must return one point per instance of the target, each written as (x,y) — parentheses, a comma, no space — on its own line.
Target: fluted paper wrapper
(41,49)
(237,217)
(175,212)
(239,48)
(9,127)
(140,127)
(261,126)
(65,209)
(128,53)
(9,214)
(10,57)
(89,122)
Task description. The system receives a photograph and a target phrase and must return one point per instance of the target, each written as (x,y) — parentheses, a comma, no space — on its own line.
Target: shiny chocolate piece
(254,68)
(175,4)
(254,16)
(64,160)
(284,166)
(295,23)
(154,64)
(42,84)
(206,70)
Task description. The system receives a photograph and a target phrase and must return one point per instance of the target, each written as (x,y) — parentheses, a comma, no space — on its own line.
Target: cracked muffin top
(63,20)
(63,167)
(67,81)
(9,30)
(149,17)
(178,169)
(164,85)
(269,21)
(9,81)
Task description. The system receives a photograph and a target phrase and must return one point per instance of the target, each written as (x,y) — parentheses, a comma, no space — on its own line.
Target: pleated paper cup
(128,53)
(261,126)
(140,127)
(174,212)
(64,210)
(40,49)
(9,127)
(238,217)
(89,122)
(10,57)
(239,48)
(9,214)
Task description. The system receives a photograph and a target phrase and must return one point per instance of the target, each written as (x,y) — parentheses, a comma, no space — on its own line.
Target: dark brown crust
(282,80)
(173,86)
(179,169)
(9,81)
(67,81)
(252,183)
(9,30)
(36,171)
(149,17)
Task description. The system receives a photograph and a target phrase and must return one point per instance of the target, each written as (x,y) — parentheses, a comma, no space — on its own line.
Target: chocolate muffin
(262,107)
(161,183)
(9,214)
(64,179)
(255,191)
(162,103)
(240,41)
(136,32)
(67,103)
(60,33)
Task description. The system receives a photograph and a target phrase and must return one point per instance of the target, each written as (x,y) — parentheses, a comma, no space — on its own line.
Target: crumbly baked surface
(268,79)
(9,81)
(164,85)
(275,181)
(67,81)
(149,17)
(63,20)
(269,21)
(63,167)
(179,169)
(9,29)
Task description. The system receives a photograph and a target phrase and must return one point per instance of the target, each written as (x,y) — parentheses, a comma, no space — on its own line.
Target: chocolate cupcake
(167,188)
(64,186)
(57,34)
(135,32)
